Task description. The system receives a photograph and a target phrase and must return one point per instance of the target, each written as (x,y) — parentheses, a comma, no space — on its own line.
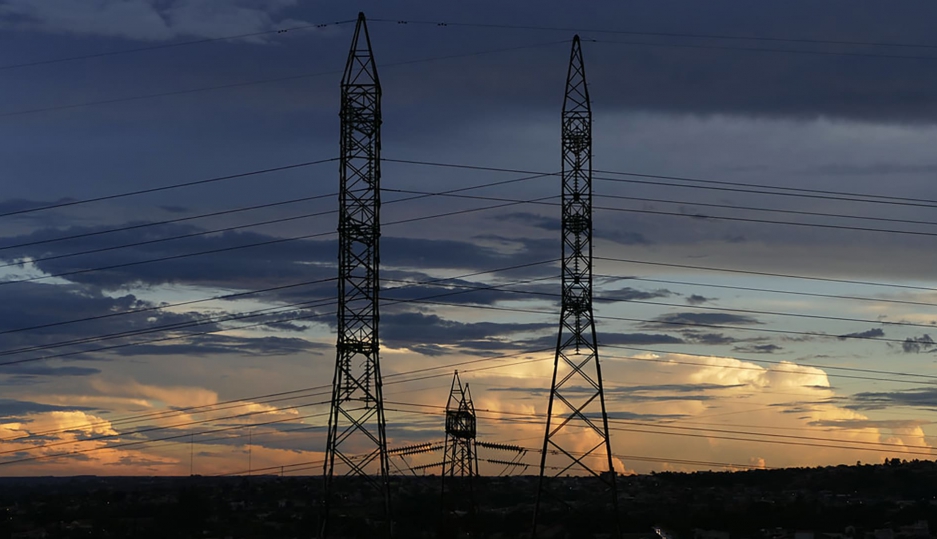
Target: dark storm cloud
(850,424)
(222,344)
(648,393)
(674,320)
(638,338)
(241,259)
(416,330)
(629,294)
(925,398)
(699,337)
(867,334)
(758,349)
(916,345)
(30,305)
(10,408)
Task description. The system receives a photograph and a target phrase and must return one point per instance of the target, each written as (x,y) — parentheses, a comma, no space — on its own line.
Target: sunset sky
(813,349)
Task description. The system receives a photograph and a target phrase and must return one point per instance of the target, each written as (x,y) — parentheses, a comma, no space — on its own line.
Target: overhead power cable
(190,235)
(677,427)
(299,76)
(771,210)
(765,49)
(765,273)
(788,191)
(711,326)
(321,302)
(165,222)
(262,399)
(252,413)
(510,202)
(701,216)
(770,290)
(525,417)
(580,30)
(175,45)
(169,187)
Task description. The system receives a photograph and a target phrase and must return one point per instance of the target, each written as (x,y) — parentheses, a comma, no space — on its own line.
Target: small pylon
(460,460)
(576,440)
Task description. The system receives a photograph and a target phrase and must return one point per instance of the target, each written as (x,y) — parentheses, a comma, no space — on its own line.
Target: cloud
(144,20)
(916,345)
(674,320)
(10,408)
(696,299)
(416,331)
(758,348)
(867,334)
(879,400)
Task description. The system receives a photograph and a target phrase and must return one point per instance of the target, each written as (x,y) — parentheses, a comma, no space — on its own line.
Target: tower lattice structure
(576,440)
(357,440)
(460,457)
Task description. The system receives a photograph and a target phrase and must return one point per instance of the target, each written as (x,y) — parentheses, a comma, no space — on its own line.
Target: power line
(767,221)
(171,45)
(715,326)
(729,309)
(772,291)
(331,301)
(172,238)
(772,210)
(305,305)
(766,274)
(501,26)
(775,438)
(169,187)
(167,306)
(510,202)
(266,81)
(704,216)
(764,49)
(478,360)
(792,191)
(262,398)
(166,222)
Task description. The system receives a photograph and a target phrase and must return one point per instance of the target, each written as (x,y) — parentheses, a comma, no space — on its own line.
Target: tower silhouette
(460,459)
(576,439)
(357,440)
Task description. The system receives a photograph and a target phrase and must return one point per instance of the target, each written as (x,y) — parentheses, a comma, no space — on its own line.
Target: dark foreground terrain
(890,501)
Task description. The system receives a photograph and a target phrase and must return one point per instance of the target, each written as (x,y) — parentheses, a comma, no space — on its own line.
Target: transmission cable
(764,273)
(172,45)
(320,303)
(796,192)
(303,237)
(269,81)
(501,26)
(169,187)
(768,290)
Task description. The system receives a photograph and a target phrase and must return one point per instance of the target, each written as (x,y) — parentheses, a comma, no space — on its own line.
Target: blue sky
(854,118)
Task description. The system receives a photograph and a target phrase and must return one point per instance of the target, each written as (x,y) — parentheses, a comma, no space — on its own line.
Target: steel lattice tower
(576,412)
(356,421)
(460,459)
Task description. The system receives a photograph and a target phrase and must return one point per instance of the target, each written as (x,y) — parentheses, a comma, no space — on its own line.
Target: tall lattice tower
(460,460)
(357,440)
(576,438)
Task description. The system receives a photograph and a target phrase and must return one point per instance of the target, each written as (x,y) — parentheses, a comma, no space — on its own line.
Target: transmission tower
(576,439)
(357,440)
(460,459)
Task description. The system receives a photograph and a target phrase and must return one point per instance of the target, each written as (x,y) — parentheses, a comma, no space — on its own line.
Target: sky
(795,330)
